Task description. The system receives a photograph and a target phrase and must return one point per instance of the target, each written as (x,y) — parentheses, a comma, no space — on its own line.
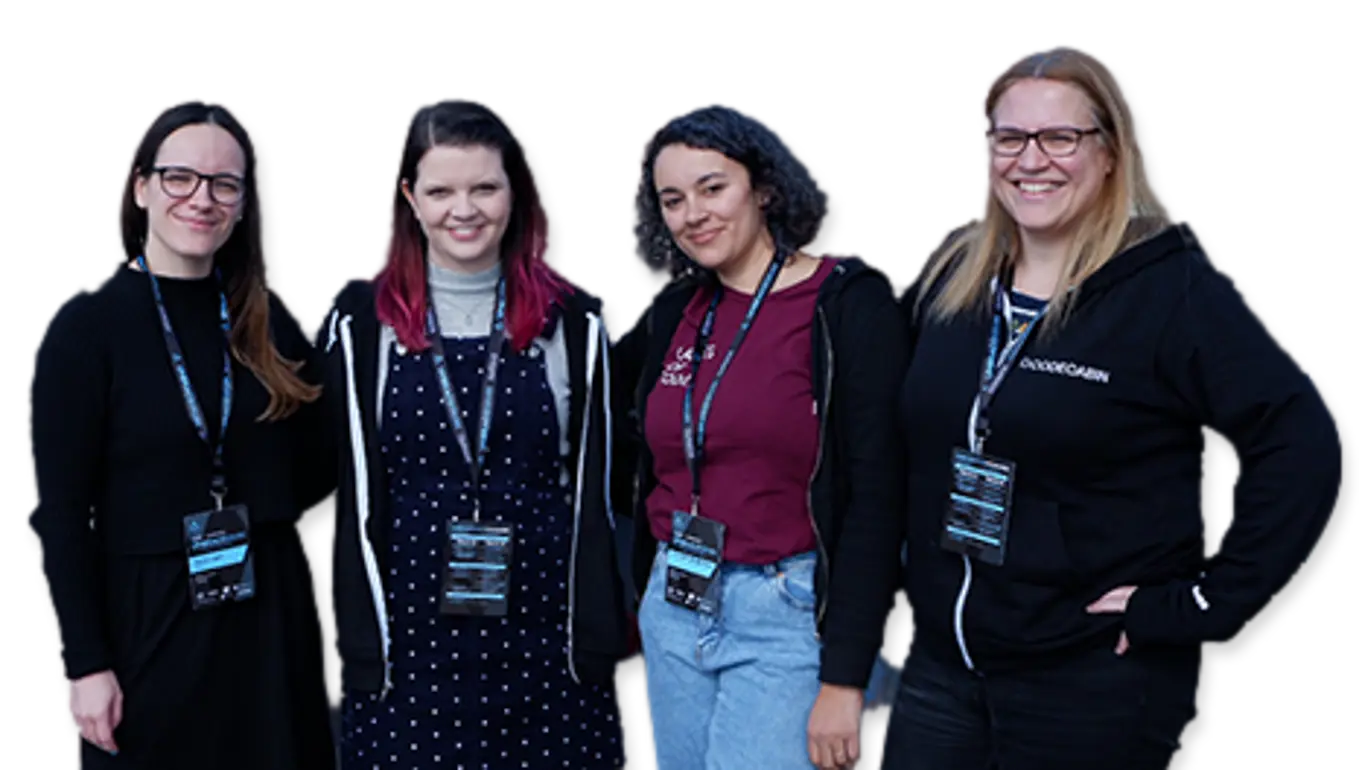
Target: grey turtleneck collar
(463,302)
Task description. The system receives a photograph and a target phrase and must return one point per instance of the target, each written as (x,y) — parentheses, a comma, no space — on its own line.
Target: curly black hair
(796,205)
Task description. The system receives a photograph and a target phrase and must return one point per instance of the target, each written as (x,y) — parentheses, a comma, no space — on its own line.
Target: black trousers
(1094,711)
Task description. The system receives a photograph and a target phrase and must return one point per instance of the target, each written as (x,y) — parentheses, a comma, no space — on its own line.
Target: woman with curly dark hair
(761,471)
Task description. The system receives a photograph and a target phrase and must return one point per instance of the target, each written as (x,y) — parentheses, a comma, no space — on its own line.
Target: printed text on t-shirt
(676,372)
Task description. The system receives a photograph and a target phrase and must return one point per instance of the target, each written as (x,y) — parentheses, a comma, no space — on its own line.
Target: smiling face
(1043,189)
(193,195)
(461,197)
(708,205)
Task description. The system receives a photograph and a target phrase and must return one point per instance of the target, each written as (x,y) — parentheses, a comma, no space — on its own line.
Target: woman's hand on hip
(833,728)
(1116,602)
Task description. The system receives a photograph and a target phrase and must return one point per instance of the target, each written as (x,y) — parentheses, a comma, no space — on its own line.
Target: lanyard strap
(696,434)
(186,389)
(1000,360)
(475,459)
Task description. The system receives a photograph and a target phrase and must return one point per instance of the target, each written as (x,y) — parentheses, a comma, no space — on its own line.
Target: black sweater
(1104,421)
(118,462)
(856,493)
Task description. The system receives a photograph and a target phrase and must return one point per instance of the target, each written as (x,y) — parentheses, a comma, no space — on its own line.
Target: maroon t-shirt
(762,431)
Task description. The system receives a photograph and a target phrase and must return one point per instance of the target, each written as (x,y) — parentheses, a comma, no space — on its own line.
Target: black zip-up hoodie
(1104,422)
(597,620)
(856,492)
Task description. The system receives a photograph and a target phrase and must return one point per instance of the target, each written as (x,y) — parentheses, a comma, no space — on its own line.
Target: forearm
(625,367)
(1266,542)
(866,567)
(860,598)
(70,565)
(1234,378)
(69,415)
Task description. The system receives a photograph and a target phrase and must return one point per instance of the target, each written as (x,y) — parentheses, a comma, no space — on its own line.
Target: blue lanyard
(476,459)
(695,435)
(1000,359)
(186,389)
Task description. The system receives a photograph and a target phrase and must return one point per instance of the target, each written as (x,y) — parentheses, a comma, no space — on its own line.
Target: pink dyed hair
(532,288)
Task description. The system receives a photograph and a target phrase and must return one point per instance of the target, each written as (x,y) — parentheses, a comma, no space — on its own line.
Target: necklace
(474,309)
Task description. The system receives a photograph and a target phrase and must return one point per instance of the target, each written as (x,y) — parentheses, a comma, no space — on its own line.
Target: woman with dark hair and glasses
(1067,353)
(754,455)
(177,439)
(479,603)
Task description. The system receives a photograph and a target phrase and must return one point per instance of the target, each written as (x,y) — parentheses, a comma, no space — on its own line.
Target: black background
(894,136)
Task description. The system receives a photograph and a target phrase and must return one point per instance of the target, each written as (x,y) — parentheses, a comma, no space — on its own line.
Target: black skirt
(233,686)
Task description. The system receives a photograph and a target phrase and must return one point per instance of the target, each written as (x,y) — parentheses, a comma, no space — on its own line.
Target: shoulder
(854,284)
(654,326)
(278,311)
(1192,263)
(574,300)
(859,305)
(672,298)
(1191,277)
(1169,264)
(89,314)
(949,251)
(355,297)
(79,334)
(355,300)
(284,327)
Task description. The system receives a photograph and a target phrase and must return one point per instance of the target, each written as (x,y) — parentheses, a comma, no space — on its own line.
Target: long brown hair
(1125,211)
(241,260)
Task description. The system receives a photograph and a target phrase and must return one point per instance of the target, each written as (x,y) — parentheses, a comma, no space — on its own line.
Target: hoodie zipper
(961,599)
(960,603)
(823,559)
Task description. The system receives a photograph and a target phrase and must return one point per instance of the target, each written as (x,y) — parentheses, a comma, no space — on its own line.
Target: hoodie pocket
(1036,549)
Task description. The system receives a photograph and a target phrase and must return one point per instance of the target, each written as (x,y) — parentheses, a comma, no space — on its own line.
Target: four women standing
(1051,372)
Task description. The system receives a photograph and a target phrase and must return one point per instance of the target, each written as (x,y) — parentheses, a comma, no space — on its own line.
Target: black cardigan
(856,493)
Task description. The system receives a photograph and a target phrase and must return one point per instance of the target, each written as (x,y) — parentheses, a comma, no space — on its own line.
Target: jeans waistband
(774,568)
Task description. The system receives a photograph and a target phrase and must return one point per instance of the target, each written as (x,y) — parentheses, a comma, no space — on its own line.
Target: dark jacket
(597,622)
(1104,421)
(855,494)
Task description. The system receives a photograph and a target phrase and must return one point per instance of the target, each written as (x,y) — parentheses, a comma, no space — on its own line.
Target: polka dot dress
(478,693)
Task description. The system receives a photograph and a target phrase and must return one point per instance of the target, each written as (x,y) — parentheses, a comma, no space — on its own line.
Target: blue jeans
(734,691)
(1093,711)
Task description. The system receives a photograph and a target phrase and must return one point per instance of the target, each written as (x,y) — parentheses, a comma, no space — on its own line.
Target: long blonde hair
(1125,210)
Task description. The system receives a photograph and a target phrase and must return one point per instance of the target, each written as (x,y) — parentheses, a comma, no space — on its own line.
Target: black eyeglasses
(1054,142)
(182,182)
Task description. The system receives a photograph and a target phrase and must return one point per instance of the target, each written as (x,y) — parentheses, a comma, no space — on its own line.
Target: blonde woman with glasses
(1066,353)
